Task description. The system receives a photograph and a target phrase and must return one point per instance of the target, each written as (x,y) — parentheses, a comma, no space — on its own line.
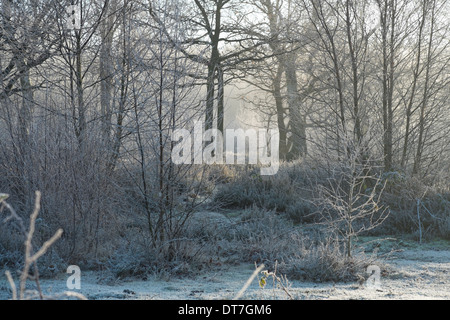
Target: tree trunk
(220,100)
(355,77)
(80,112)
(409,111)
(424,104)
(296,125)
(210,94)
(26,109)
(388,54)
(281,114)
(124,81)
(106,74)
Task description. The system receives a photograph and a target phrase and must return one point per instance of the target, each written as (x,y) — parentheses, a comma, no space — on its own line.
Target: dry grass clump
(411,199)
(287,192)
(327,262)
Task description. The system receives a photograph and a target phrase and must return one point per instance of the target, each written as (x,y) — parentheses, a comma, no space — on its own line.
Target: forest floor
(415,272)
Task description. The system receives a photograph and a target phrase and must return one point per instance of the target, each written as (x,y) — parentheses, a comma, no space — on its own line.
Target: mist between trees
(259,152)
(358,91)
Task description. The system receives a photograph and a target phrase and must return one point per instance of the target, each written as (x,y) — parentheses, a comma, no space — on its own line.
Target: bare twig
(278,281)
(249,281)
(30,257)
(12,284)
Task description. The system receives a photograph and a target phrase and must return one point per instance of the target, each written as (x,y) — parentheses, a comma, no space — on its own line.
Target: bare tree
(75,47)
(27,41)
(164,97)
(280,30)
(349,206)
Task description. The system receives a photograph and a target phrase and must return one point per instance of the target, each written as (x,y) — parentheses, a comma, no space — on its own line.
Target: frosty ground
(415,272)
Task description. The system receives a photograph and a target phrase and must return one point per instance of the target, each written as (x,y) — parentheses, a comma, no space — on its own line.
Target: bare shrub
(79,194)
(350,200)
(196,247)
